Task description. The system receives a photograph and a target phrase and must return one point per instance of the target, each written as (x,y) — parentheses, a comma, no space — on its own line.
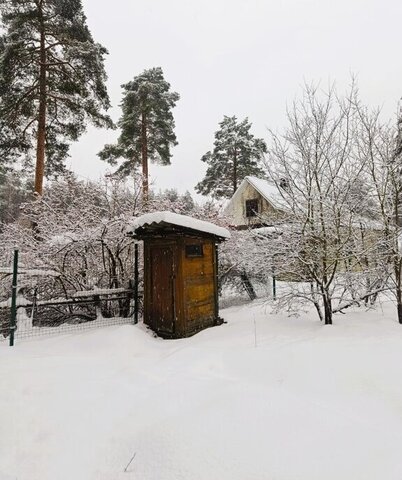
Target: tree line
(53,84)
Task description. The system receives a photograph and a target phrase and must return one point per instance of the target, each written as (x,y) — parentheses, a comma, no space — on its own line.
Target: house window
(194,250)
(251,207)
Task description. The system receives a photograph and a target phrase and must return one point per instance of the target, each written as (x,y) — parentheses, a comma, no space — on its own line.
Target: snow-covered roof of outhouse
(170,219)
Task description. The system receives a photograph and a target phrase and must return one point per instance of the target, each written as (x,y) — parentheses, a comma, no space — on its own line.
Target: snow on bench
(99,291)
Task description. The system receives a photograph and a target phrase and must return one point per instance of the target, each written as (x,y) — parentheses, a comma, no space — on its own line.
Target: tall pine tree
(236,154)
(52,81)
(146,124)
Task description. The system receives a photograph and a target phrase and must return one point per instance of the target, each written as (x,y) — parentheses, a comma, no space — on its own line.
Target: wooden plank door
(199,282)
(163,288)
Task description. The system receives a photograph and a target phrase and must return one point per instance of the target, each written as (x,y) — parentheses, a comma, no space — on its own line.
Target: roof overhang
(163,223)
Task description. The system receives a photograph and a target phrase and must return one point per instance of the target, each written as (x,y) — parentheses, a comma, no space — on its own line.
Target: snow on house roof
(265,188)
(178,220)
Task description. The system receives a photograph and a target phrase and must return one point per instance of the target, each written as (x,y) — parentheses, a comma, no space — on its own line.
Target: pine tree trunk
(144,155)
(41,134)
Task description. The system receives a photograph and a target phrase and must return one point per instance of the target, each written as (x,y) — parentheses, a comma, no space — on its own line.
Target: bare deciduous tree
(380,145)
(317,169)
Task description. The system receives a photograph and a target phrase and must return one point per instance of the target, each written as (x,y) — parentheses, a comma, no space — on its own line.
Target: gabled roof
(165,219)
(265,188)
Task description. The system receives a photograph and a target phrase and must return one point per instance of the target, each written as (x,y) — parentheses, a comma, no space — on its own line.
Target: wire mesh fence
(68,327)
(36,299)
(67,315)
(29,310)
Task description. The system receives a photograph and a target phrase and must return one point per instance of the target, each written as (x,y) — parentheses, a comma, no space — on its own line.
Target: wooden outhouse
(180,272)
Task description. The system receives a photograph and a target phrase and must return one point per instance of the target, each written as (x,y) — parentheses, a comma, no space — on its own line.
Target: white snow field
(306,401)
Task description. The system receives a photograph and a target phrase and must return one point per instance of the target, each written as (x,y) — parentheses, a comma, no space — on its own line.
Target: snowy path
(309,402)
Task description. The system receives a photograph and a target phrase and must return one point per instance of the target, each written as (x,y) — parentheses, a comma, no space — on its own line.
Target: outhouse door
(163,288)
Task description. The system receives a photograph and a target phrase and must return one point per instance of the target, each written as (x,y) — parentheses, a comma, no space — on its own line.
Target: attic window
(194,250)
(252,207)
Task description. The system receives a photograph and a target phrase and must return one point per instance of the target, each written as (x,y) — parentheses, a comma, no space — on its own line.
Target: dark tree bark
(399,308)
(398,289)
(144,155)
(41,134)
(327,309)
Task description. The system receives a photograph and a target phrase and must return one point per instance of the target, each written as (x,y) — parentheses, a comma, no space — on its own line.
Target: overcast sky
(240,57)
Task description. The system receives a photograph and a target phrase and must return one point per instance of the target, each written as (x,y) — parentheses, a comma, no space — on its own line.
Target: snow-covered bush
(78,230)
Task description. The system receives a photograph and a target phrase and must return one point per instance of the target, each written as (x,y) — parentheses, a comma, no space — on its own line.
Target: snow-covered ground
(298,400)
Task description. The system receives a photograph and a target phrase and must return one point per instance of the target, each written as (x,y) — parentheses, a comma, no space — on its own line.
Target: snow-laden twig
(357,301)
(129,463)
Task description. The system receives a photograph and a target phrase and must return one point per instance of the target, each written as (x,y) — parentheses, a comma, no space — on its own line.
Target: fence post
(217,287)
(13,317)
(135,283)
(273,284)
